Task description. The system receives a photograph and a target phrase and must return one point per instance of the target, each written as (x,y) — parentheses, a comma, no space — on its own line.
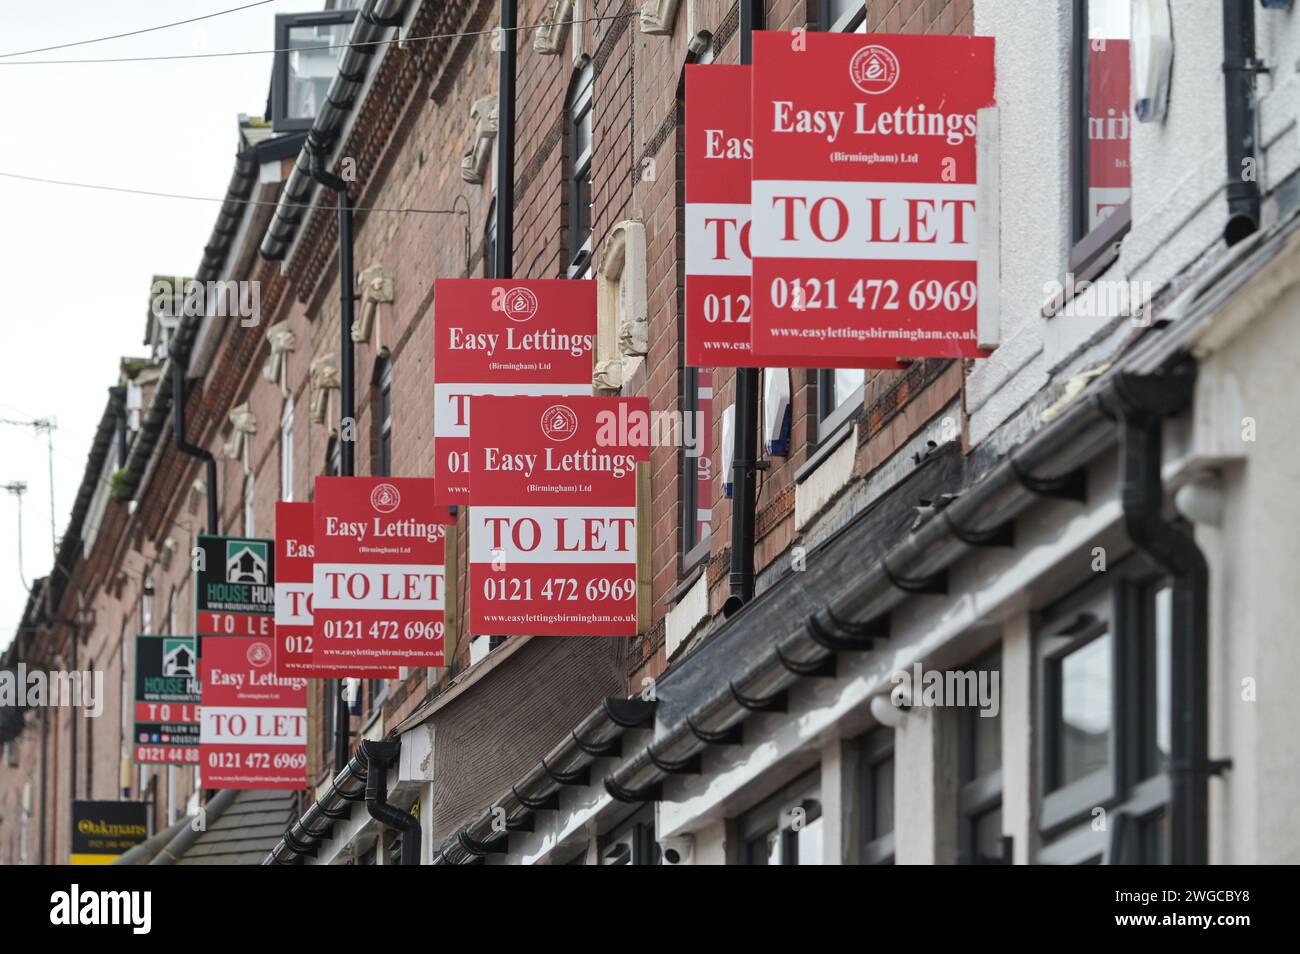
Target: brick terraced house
(1095,522)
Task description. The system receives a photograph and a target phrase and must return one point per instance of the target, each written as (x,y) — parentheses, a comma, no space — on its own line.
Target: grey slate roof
(245,832)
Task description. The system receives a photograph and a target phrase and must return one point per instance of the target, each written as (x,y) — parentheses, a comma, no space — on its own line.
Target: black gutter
(335,804)
(347,392)
(180,363)
(373,22)
(1241,145)
(744,460)
(1140,405)
(503,266)
(378,755)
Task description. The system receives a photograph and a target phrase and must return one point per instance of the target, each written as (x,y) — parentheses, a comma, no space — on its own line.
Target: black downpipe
(378,755)
(1239,69)
(347,398)
(503,266)
(1143,404)
(180,368)
(744,460)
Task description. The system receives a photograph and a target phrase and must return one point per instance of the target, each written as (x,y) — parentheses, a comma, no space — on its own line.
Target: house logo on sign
(245,561)
(520,304)
(259,655)
(874,70)
(559,423)
(385,498)
(178,658)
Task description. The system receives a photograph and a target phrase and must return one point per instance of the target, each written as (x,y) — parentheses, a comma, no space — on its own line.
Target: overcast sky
(75,264)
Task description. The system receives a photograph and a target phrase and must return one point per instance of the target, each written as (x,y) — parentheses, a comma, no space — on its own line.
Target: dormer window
(309,46)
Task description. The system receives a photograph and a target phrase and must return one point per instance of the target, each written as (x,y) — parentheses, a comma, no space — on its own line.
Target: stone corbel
(608,376)
(282,341)
(548,38)
(244,423)
(621,285)
(657,17)
(376,290)
(324,379)
(483,132)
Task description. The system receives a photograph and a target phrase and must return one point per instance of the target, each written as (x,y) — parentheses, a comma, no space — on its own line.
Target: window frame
(281,121)
(875,748)
(382,465)
(977,795)
(770,817)
(1131,790)
(639,832)
(833,416)
(577,107)
(1091,251)
(490,240)
(847,22)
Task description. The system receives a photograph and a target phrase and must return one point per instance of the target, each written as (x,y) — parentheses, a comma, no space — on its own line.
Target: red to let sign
(294,557)
(252,723)
(553,502)
(719,304)
(378,587)
(503,337)
(864,237)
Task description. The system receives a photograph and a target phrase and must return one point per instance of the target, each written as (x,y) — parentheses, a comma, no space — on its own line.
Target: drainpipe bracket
(650,793)
(776,702)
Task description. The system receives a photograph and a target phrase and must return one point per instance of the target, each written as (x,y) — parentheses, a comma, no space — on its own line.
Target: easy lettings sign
(254,722)
(719,301)
(553,547)
(864,236)
(518,337)
(295,558)
(378,584)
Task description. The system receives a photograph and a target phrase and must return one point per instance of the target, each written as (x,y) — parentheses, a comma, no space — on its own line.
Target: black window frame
(977,795)
(846,21)
(875,748)
(383,417)
(1092,251)
(490,241)
(637,835)
(1132,789)
(577,171)
(278,106)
